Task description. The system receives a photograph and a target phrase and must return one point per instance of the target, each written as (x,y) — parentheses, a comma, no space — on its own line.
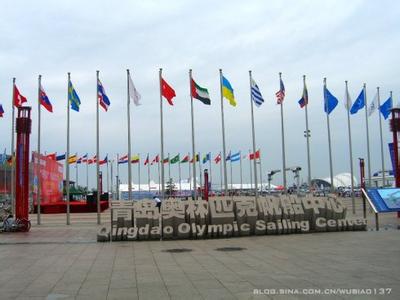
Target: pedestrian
(158,202)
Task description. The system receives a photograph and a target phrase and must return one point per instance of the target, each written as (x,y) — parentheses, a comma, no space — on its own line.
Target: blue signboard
(384,200)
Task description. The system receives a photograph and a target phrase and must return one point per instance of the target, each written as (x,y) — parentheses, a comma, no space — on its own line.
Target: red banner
(50,173)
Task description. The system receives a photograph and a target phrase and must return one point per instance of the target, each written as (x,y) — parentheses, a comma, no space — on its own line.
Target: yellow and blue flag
(73,97)
(227,91)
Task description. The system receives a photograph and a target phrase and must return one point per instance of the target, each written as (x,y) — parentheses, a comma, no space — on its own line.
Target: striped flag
(280,95)
(256,94)
(101,95)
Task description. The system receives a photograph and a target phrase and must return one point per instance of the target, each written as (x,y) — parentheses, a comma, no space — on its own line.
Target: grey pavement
(55,261)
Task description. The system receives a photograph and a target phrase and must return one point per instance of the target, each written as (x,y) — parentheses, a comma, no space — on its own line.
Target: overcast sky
(356,41)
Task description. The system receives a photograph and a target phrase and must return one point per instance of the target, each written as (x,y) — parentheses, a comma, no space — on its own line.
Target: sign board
(222,217)
(50,173)
(383,200)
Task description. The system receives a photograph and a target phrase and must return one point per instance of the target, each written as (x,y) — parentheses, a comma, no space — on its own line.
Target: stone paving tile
(55,261)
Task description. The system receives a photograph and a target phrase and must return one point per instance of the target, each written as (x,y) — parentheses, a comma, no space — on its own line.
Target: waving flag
(44,100)
(123,159)
(359,103)
(217,159)
(235,157)
(228,157)
(135,159)
(175,159)
(185,159)
(101,95)
(73,159)
(133,93)
(18,98)
(84,158)
(199,93)
(330,101)
(195,158)
(304,98)
(256,94)
(73,97)
(386,107)
(60,157)
(167,91)
(166,160)
(156,159)
(206,157)
(373,105)
(280,95)
(147,161)
(1,111)
(256,156)
(227,91)
(104,161)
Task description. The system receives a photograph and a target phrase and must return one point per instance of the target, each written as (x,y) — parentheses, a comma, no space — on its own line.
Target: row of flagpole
(226,91)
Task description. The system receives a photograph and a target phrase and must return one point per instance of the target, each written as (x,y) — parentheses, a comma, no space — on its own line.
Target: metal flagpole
(381,138)
(162,138)
(111,181)
(117,187)
(13,151)
(169,167)
(367,131)
(220,171)
(39,182)
(223,134)
(251,172)
(108,178)
(87,176)
(307,138)
(139,171)
(230,164)
(98,151)
(180,183)
(201,177)
(329,138)
(129,137)
(210,171)
(283,143)
(76,174)
(254,141)
(190,173)
(159,177)
(241,175)
(148,171)
(350,148)
(259,160)
(193,143)
(67,155)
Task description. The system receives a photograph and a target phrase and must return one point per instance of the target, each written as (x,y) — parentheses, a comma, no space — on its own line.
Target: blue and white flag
(330,101)
(373,105)
(235,157)
(256,94)
(386,107)
(359,103)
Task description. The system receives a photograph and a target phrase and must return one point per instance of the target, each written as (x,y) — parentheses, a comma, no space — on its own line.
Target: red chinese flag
(257,156)
(18,98)
(167,91)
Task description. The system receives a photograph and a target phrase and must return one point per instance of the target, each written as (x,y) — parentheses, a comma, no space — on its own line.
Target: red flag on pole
(256,156)
(18,98)
(167,91)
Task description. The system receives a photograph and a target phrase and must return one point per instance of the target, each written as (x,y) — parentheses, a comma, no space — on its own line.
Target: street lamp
(270,174)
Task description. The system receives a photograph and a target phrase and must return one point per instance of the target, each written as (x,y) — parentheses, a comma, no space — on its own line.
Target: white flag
(133,93)
(373,105)
(347,100)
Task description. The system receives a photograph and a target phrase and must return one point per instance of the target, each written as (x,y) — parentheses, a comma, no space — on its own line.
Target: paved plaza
(55,261)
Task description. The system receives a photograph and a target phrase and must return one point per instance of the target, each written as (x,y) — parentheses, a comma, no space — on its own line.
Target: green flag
(175,159)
